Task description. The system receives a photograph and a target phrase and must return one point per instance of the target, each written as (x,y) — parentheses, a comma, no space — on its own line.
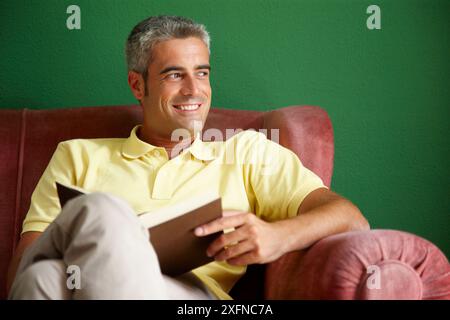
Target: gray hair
(147,33)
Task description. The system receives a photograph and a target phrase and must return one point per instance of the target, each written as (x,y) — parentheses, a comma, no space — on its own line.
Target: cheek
(207,89)
(167,93)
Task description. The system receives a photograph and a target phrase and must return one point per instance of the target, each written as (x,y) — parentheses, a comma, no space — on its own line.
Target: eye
(174,75)
(203,73)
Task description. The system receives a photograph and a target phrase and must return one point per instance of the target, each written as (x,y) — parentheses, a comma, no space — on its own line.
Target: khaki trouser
(101,237)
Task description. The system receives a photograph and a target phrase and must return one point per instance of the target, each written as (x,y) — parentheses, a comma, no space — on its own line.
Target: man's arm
(322,213)
(25,241)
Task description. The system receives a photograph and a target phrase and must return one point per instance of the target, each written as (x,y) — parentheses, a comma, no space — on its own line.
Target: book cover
(171,229)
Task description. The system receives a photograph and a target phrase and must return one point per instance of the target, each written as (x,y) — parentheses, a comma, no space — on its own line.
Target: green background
(386,91)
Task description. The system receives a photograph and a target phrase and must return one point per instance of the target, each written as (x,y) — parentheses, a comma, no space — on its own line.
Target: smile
(187,107)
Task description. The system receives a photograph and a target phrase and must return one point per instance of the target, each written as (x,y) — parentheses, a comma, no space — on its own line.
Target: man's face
(178,86)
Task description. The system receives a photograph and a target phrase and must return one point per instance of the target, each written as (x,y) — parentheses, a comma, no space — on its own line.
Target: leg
(187,287)
(47,277)
(101,235)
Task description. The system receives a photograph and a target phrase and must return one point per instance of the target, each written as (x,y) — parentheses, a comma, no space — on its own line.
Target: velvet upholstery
(334,268)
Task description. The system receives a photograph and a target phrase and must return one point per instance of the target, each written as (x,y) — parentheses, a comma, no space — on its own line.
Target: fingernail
(198,231)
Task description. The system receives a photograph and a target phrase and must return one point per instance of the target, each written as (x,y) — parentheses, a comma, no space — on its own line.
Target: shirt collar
(134,147)
(202,150)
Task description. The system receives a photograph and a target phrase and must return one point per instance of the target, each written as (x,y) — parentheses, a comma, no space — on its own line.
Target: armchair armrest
(400,266)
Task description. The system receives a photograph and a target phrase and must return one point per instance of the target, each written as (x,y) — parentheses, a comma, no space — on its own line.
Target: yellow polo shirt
(249,172)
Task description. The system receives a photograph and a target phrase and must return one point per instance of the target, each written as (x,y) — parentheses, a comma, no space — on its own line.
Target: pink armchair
(405,266)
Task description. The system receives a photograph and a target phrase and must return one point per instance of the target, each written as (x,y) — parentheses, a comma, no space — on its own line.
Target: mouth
(187,107)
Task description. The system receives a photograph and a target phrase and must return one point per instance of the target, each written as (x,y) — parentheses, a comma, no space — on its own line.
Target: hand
(252,241)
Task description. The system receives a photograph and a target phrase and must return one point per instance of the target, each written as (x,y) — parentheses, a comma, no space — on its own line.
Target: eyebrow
(178,68)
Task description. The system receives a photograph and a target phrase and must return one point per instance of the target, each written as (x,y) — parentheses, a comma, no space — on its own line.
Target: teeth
(189,107)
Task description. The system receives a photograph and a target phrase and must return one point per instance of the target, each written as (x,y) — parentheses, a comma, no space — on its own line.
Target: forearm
(335,216)
(321,214)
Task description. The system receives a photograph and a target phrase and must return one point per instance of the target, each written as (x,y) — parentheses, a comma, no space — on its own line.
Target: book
(171,229)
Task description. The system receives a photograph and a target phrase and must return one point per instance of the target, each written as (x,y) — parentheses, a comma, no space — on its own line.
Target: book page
(158,216)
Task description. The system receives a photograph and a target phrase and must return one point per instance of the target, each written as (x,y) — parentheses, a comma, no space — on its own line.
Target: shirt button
(156,153)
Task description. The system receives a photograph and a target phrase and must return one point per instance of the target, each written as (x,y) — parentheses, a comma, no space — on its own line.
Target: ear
(137,84)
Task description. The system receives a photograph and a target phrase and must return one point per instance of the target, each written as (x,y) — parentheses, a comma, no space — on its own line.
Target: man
(268,213)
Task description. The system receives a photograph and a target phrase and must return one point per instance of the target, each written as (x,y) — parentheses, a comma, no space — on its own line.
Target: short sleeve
(45,206)
(277,179)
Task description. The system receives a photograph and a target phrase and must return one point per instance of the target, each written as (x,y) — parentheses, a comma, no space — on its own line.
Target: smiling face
(178,88)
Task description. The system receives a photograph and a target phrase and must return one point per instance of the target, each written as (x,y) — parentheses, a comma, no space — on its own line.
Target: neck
(157,140)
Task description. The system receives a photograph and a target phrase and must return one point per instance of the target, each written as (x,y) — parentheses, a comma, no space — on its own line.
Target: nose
(190,86)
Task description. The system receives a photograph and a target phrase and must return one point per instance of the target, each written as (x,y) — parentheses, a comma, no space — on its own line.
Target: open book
(171,229)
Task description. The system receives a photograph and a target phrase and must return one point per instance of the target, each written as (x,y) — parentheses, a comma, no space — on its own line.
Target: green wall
(387,91)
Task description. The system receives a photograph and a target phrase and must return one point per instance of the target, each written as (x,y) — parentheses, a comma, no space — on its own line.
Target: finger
(229,213)
(227,239)
(235,251)
(244,259)
(221,224)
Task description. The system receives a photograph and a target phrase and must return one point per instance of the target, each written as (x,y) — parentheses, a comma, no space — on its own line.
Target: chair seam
(19,176)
